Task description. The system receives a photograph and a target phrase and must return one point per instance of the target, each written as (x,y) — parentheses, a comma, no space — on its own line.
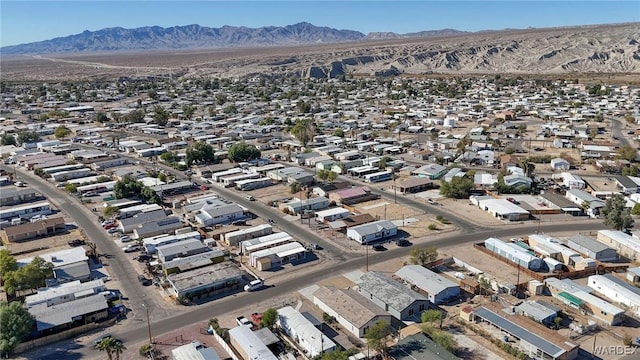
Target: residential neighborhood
(491,220)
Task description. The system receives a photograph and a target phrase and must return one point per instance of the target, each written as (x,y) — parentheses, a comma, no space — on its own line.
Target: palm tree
(118,348)
(106,344)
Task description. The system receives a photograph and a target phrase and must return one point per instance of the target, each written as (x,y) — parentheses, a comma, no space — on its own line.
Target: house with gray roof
(437,288)
(374,231)
(350,309)
(539,311)
(592,248)
(211,214)
(162,226)
(392,296)
(181,249)
(127,225)
(62,315)
(432,171)
(206,281)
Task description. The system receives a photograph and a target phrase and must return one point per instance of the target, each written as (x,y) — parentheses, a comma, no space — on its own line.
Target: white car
(113,230)
(108,222)
(125,238)
(131,248)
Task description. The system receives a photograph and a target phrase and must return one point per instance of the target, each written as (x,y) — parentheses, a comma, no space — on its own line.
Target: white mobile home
(303,332)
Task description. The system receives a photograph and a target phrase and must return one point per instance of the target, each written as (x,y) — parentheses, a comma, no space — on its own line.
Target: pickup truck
(242,320)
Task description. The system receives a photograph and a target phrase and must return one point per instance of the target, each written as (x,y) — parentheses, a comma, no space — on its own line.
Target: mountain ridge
(194,36)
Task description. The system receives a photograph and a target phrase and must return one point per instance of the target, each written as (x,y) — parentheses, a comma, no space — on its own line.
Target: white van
(254,285)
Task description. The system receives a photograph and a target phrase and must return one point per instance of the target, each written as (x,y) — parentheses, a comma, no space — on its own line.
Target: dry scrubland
(608,53)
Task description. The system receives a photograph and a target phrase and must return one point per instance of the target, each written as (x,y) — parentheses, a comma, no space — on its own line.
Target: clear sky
(24,21)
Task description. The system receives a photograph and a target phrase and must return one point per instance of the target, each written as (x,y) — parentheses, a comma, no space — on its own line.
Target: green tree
(383,162)
(303,130)
(199,153)
(615,214)
(527,166)
(8,139)
(127,187)
(557,321)
(423,256)
(431,316)
(30,276)
(509,150)
(332,176)
(627,152)
(242,152)
(135,116)
(27,136)
(16,323)
(377,335)
(118,348)
(150,195)
(339,132)
(101,117)
(39,172)
(295,187)
(61,132)
(458,187)
(169,157)
(162,177)
(106,345)
(628,117)
(160,115)
(636,209)
(110,211)
(7,262)
(188,111)
(631,171)
(269,318)
(71,188)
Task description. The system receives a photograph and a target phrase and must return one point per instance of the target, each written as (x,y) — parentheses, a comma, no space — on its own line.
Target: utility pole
(395,191)
(366,246)
(148,324)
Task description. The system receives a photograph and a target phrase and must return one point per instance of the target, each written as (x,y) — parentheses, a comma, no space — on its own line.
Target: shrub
(432,227)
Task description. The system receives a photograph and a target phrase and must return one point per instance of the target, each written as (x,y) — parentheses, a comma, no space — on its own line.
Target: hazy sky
(24,21)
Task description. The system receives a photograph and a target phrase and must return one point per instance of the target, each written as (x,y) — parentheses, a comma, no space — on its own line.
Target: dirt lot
(43,245)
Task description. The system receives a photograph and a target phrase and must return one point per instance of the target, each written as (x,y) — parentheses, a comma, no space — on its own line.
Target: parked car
(131,248)
(143,257)
(251,198)
(113,230)
(254,285)
(90,194)
(125,238)
(239,222)
(379,248)
(403,242)
(315,246)
(144,281)
(76,242)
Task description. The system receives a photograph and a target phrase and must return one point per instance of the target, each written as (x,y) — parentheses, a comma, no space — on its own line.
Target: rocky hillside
(596,49)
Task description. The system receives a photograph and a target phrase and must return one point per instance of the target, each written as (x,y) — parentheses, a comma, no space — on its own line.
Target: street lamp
(148,323)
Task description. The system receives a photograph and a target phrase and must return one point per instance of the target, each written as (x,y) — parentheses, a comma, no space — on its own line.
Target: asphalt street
(116,261)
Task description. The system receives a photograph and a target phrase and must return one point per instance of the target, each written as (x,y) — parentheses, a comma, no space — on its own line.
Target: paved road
(118,265)
(230,304)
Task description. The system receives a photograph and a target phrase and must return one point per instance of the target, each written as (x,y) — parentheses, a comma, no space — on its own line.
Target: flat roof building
(438,288)
(392,296)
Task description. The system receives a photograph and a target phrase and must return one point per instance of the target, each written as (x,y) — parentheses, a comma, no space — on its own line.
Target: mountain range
(153,38)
